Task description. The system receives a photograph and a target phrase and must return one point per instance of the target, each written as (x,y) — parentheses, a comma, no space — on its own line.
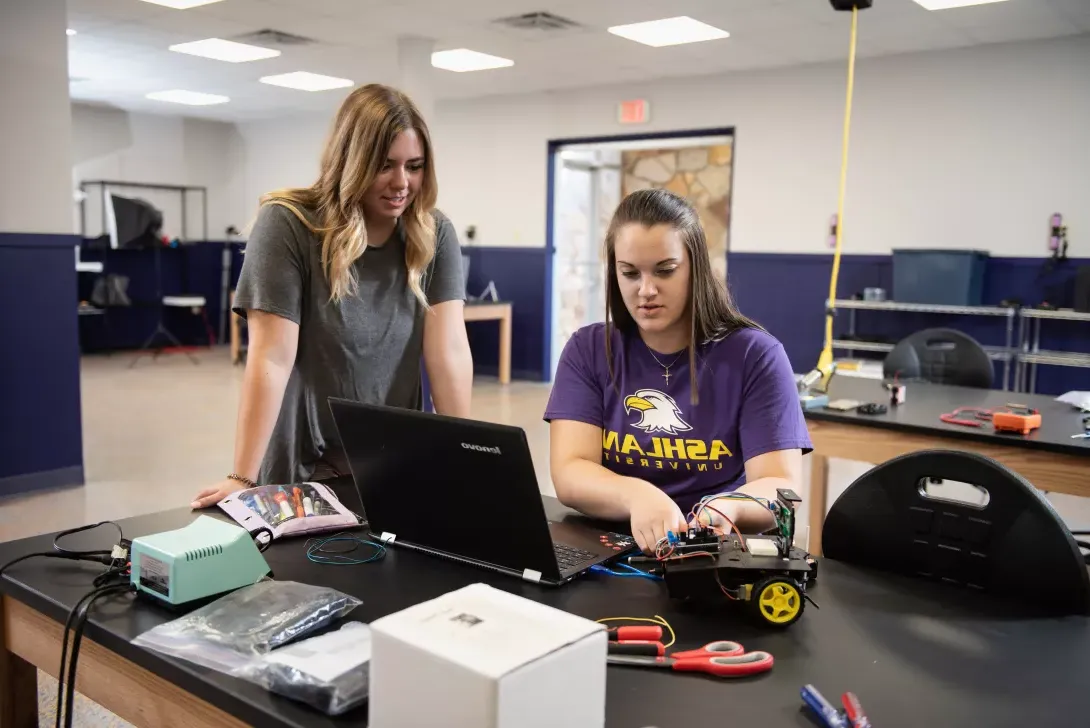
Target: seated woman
(678,398)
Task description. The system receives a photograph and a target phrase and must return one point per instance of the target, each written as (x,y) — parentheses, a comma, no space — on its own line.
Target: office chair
(1005,540)
(940,356)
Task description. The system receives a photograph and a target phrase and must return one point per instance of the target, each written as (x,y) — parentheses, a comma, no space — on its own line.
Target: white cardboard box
(481,657)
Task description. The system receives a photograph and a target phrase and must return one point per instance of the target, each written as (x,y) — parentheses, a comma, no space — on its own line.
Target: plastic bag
(247,623)
(288,510)
(330,672)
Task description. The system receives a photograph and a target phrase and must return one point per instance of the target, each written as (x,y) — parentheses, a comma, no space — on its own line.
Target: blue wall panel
(519,275)
(41,443)
(786,294)
(192,269)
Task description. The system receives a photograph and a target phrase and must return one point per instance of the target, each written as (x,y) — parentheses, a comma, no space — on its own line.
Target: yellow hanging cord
(825,361)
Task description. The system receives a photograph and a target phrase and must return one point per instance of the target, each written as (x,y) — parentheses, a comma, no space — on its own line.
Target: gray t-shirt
(367,347)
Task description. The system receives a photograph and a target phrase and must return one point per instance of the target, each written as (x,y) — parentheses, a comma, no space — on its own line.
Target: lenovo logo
(481,448)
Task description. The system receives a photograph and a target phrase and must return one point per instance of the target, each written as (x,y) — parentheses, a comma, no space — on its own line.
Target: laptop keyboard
(569,557)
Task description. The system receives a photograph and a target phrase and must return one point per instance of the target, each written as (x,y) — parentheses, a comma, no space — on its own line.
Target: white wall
(966,148)
(113,144)
(34,120)
(972,147)
(281,153)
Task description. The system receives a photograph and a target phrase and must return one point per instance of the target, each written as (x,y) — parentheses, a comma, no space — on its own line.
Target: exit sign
(633,112)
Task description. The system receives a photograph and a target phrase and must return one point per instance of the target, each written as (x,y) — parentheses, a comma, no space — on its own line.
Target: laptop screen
(456,486)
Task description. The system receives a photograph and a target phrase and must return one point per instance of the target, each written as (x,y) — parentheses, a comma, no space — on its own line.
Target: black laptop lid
(459,486)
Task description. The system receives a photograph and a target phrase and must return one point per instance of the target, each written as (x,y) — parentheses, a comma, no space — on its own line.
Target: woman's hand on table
(212,495)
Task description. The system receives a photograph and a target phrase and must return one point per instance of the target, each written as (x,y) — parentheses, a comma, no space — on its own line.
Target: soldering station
(174,569)
(203,560)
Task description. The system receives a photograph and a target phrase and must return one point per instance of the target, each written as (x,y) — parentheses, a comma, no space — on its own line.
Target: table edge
(1014,442)
(162,666)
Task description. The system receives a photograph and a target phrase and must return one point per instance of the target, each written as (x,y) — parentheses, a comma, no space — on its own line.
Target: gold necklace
(666,367)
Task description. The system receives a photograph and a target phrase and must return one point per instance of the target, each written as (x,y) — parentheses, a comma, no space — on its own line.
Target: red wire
(696,554)
(741,538)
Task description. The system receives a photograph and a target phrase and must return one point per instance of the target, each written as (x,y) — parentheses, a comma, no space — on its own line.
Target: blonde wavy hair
(364,129)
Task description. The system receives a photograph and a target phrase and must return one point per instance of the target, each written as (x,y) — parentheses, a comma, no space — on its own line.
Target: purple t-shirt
(651,430)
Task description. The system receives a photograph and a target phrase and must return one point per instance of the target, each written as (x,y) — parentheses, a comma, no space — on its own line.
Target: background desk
(1048,457)
(916,653)
(485,311)
(488,311)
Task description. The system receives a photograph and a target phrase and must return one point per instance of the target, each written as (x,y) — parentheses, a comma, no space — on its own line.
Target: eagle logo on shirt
(659,412)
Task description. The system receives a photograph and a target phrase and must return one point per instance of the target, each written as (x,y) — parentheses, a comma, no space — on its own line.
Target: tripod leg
(178,344)
(145,346)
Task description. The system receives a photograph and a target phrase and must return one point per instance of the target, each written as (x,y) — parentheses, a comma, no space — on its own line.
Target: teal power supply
(204,559)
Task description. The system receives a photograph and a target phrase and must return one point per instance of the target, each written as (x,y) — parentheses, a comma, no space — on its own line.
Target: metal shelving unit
(997,353)
(1031,354)
(849,345)
(1006,354)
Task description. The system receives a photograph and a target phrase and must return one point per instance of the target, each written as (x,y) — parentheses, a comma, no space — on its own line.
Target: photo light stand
(160,327)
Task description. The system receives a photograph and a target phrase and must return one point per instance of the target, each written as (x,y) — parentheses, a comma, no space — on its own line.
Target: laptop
(463,490)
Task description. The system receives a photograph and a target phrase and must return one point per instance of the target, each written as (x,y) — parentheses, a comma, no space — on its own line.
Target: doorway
(587,178)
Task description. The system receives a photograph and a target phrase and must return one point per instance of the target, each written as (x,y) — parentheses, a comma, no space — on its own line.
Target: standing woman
(680,397)
(345,284)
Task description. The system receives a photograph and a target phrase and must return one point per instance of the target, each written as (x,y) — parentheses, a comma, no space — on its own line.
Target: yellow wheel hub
(779,602)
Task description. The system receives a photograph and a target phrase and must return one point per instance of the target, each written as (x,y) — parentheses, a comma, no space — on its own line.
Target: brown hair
(712,312)
(364,130)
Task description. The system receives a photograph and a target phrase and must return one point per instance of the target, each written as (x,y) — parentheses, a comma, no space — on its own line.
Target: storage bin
(949,277)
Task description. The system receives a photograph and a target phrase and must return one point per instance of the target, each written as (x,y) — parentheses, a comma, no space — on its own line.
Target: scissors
(722,659)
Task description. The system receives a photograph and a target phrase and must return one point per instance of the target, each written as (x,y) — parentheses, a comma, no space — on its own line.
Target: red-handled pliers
(722,659)
(957,417)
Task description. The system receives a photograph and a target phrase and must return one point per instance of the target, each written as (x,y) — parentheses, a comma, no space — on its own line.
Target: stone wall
(702,175)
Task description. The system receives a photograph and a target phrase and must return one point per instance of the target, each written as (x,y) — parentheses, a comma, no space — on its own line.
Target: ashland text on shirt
(748,406)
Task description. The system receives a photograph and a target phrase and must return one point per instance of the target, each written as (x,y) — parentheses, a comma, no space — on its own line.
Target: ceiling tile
(121,49)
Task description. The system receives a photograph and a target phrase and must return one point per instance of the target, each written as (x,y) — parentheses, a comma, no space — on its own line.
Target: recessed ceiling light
(190,98)
(225,50)
(463,59)
(947,4)
(669,31)
(304,81)
(182,4)
(69,31)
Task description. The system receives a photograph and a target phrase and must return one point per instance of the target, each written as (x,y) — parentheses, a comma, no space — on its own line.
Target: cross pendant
(667,375)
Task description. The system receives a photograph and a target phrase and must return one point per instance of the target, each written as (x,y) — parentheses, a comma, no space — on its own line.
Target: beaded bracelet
(246,481)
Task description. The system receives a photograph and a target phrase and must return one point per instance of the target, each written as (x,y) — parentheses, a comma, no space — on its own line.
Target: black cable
(59,549)
(67,556)
(93,558)
(77,637)
(64,656)
(114,567)
(77,621)
(104,578)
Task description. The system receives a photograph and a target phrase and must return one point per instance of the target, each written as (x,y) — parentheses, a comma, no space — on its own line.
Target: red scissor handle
(648,633)
(722,648)
(749,663)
